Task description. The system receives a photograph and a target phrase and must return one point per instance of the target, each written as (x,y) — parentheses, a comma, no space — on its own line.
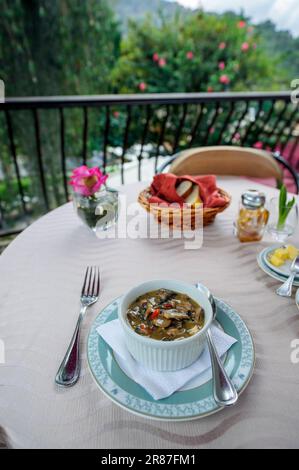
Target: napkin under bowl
(163,384)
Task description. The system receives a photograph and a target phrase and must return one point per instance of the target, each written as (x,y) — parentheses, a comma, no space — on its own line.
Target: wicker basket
(182,218)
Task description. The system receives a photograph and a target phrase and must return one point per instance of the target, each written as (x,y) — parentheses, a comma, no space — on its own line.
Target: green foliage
(57,47)
(202,52)
(285,207)
(284,47)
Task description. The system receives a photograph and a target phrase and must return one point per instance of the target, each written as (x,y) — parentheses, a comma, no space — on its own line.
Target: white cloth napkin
(162,384)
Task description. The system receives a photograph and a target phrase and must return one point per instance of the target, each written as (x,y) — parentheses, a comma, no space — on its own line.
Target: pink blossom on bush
(221,65)
(116,114)
(210,89)
(222,45)
(224,79)
(142,86)
(162,62)
(245,46)
(258,145)
(190,55)
(87,181)
(155,57)
(241,24)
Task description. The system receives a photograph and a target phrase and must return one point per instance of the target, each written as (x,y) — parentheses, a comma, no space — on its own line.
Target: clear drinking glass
(281,233)
(98,212)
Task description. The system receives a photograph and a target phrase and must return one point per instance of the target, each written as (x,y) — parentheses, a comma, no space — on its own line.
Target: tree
(53,47)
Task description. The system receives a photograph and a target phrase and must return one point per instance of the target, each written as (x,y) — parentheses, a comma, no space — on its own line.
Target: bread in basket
(178,215)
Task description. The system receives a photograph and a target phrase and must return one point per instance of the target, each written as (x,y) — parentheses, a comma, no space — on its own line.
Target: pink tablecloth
(41,275)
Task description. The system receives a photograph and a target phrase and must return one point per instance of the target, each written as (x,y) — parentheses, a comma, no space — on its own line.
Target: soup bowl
(165,356)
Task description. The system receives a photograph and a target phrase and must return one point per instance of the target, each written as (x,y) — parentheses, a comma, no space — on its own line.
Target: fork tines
(91,285)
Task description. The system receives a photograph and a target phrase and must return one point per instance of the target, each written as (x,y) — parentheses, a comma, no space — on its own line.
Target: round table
(41,274)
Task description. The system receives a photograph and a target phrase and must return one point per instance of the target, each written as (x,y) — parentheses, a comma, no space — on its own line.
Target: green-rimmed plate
(284,270)
(269,271)
(182,405)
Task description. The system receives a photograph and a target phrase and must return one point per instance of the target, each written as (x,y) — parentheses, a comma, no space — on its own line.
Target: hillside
(137,9)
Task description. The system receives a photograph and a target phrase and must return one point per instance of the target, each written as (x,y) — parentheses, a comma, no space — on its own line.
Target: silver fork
(286,289)
(69,370)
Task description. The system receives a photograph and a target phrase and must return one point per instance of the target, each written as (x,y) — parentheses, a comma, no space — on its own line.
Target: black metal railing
(42,138)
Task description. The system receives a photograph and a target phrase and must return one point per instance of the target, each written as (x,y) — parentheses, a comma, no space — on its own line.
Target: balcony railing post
(15,160)
(211,124)
(197,124)
(180,128)
(241,119)
(161,137)
(39,158)
(253,122)
(143,139)
(62,148)
(125,142)
(226,122)
(85,133)
(106,137)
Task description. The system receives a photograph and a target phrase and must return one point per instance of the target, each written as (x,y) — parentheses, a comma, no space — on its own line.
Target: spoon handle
(286,289)
(224,391)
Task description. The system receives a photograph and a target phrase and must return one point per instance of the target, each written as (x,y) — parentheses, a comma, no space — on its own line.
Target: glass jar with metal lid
(253,216)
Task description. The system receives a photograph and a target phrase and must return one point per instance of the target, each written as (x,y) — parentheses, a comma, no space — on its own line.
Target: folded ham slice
(163,189)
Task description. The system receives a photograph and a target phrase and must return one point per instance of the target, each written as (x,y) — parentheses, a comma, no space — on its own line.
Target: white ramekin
(165,355)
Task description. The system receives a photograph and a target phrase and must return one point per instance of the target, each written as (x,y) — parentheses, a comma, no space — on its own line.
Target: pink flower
(221,65)
(222,45)
(237,136)
(162,62)
(87,181)
(210,89)
(224,79)
(116,114)
(190,55)
(258,145)
(142,86)
(245,46)
(155,57)
(241,24)
(254,45)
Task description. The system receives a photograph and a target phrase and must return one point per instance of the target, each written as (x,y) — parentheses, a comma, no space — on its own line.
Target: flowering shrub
(191,54)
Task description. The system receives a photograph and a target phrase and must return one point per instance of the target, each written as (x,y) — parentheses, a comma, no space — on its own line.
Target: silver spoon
(286,289)
(224,391)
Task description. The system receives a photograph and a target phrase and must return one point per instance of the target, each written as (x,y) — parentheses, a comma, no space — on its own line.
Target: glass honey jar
(253,216)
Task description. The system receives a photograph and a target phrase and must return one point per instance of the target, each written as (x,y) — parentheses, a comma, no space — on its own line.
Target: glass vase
(99,211)
(281,233)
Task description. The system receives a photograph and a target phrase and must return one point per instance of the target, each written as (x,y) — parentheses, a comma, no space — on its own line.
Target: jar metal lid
(253,199)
